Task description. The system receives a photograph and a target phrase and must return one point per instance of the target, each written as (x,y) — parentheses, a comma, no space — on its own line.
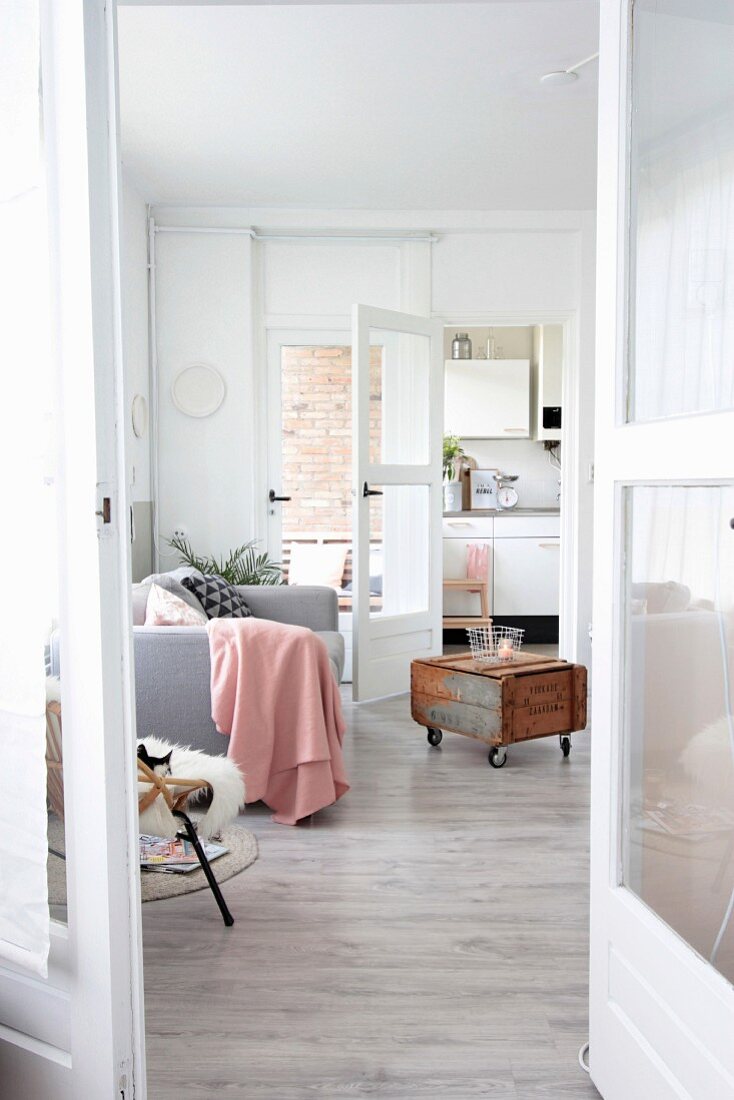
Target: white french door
(662,900)
(397,411)
(78,1032)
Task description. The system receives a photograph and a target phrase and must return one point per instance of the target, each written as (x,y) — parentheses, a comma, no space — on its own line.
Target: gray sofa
(172,668)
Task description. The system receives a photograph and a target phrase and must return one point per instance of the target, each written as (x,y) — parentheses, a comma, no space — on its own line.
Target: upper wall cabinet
(488,398)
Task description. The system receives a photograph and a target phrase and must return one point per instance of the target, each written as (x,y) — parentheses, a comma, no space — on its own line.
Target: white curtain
(682,534)
(682,311)
(683,221)
(27,545)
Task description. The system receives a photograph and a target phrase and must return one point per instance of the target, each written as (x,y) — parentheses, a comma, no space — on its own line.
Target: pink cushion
(165,609)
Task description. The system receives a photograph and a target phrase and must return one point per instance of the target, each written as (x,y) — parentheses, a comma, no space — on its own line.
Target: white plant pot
(452,496)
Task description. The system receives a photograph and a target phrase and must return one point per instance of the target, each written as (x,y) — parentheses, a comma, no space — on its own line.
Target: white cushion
(311,564)
(662,598)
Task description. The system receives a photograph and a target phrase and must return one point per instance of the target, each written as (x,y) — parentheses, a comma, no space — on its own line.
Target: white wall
(538,480)
(308,279)
(217,295)
(204,286)
(504,272)
(212,480)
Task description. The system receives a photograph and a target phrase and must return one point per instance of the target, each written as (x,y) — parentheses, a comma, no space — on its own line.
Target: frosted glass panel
(399,550)
(682,209)
(399,397)
(678,824)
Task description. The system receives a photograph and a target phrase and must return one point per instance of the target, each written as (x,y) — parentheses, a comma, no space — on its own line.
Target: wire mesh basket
(495,645)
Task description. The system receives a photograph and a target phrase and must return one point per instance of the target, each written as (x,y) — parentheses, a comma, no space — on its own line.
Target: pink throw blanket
(274,693)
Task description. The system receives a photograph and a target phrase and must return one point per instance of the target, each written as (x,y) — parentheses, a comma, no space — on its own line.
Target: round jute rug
(154,885)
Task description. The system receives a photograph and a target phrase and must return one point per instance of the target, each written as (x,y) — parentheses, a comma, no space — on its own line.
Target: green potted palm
(453,456)
(243,565)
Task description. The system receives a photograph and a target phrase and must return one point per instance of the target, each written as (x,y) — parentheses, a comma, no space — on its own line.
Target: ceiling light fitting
(566,76)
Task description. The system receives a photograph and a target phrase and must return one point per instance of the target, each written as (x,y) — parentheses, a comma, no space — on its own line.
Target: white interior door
(76,1031)
(662,904)
(397,466)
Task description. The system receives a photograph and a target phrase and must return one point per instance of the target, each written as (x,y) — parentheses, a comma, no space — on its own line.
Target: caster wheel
(565,745)
(435,737)
(497,757)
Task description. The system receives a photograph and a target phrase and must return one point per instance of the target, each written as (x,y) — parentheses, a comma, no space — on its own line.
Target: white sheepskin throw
(228,796)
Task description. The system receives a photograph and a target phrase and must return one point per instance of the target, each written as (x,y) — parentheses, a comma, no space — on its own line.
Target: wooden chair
(174,793)
(451,622)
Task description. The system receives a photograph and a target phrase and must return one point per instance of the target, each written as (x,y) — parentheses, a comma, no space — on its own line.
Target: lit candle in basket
(504,652)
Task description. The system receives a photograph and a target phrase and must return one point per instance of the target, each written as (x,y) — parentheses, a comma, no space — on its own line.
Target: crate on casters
(499,700)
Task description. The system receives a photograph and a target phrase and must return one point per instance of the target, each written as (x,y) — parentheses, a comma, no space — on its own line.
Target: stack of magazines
(174,857)
(687,820)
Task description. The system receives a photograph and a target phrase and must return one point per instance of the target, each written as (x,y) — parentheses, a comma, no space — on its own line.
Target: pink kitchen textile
(274,693)
(477,561)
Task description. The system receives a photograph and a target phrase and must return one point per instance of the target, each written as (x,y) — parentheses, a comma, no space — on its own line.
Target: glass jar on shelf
(461,346)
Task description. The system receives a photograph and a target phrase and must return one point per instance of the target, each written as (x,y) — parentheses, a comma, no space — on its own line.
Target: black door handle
(367,492)
(272,497)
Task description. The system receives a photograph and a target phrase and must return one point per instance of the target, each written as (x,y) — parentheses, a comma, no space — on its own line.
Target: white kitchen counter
(486,513)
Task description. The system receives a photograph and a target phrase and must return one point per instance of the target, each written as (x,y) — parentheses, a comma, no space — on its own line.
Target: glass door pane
(678,824)
(681,209)
(316,472)
(399,550)
(399,398)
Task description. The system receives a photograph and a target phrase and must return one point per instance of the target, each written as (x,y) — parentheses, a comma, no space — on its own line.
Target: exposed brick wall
(317,437)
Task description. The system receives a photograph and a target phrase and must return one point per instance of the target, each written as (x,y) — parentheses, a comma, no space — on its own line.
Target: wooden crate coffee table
(532,697)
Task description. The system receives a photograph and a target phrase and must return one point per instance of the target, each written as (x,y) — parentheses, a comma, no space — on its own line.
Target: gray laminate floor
(426,937)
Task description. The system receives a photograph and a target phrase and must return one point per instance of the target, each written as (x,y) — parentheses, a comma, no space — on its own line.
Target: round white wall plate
(198,390)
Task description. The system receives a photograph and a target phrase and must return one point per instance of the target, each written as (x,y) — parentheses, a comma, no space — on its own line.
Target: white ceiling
(374,106)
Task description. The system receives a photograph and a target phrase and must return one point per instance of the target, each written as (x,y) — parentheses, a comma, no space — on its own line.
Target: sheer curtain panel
(26,490)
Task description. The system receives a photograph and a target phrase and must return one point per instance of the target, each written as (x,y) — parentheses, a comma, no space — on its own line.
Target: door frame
(91,1042)
(685,1007)
(277,338)
(576,513)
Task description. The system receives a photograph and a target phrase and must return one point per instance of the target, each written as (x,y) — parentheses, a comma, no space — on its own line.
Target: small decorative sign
(483,488)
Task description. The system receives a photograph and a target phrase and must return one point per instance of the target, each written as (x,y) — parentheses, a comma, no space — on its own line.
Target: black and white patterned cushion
(219,599)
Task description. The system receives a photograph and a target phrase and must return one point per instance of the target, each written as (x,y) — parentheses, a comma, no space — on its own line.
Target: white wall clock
(198,390)
(139,412)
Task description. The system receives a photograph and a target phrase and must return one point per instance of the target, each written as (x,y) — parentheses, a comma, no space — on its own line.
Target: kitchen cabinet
(487,398)
(526,576)
(524,563)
